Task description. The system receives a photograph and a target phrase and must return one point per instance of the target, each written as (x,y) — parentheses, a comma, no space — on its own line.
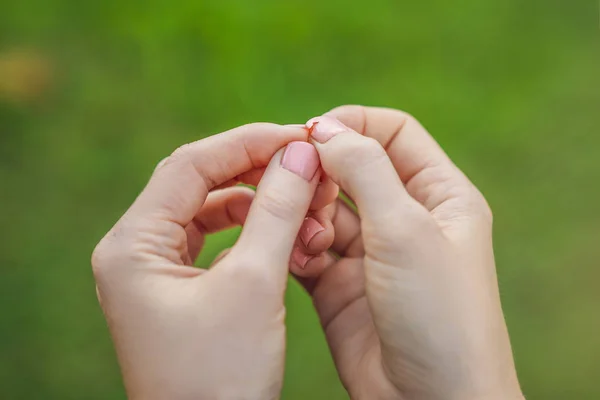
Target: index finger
(179,186)
(418,159)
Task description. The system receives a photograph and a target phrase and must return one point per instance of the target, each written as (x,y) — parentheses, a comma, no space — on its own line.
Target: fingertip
(316,234)
(308,266)
(323,128)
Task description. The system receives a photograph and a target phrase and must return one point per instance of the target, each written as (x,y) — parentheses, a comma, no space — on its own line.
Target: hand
(411,310)
(186,333)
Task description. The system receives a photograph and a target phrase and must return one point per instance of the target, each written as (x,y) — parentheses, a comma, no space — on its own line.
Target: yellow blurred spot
(25,76)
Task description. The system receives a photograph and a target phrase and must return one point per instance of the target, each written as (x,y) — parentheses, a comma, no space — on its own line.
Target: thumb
(362,168)
(282,200)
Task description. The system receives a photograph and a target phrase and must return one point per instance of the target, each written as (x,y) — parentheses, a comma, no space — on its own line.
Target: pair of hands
(406,290)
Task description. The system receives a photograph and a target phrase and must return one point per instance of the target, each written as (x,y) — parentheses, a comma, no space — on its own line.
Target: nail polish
(310,227)
(299,258)
(324,128)
(302,159)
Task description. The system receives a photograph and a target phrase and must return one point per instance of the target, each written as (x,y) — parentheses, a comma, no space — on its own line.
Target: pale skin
(406,289)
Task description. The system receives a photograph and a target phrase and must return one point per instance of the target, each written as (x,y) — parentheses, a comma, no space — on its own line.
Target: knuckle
(405,120)
(477,207)
(178,156)
(110,251)
(363,150)
(161,163)
(347,109)
(100,257)
(485,210)
(180,153)
(278,204)
(404,117)
(408,117)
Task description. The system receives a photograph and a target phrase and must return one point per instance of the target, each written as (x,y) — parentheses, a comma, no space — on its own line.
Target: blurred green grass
(509,88)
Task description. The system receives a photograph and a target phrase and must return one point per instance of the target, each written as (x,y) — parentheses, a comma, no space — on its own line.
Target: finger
(282,200)
(316,234)
(338,287)
(362,168)
(179,187)
(410,147)
(326,193)
(251,177)
(428,173)
(308,275)
(223,209)
(348,235)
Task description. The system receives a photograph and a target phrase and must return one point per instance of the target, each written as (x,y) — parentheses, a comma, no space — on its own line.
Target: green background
(510,88)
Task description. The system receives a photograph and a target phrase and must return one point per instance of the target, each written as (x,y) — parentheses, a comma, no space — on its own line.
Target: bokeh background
(94,94)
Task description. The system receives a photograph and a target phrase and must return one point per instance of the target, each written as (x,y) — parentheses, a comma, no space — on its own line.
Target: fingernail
(310,227)
(301,158)
(324,128)
(299,258)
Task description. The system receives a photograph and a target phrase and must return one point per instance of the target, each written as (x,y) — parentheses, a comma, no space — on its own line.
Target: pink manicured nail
(310,227)
(324,128)
(299,258)
(301,158)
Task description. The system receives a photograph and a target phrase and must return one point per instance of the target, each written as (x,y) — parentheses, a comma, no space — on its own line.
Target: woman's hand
(185,333)
(411,310)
